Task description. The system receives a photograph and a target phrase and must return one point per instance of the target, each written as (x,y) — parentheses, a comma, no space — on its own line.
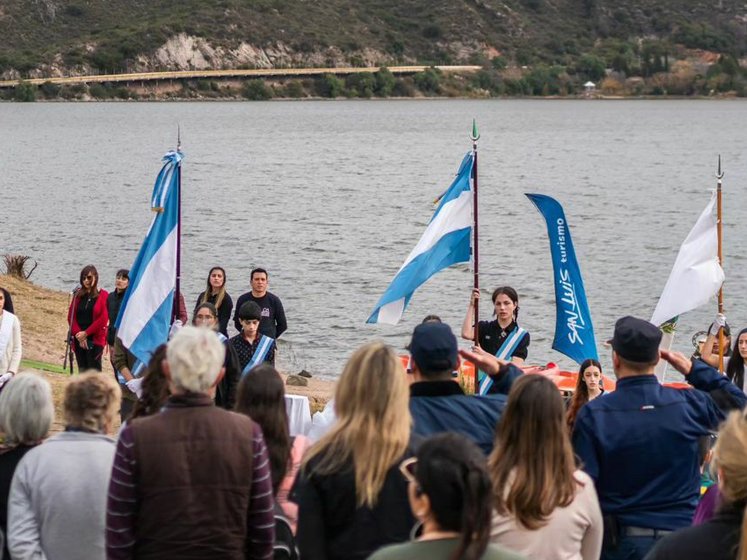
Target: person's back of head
(91,402)
(373,420)
(730,458)
(26,409)
(635,346)
(195,359)
(434,350)
(155,386)
(452,491)
(261,397)
(532,465)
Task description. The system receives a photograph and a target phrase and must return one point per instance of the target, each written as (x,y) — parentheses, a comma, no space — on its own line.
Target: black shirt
(224,311)
(492,337)
(273,322)
(84,311)
(8,462)
(245,350)
(113,304)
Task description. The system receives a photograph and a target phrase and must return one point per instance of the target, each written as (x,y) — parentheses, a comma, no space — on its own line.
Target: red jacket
(97,331)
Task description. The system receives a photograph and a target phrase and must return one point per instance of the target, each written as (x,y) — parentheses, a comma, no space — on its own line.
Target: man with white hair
(194,480)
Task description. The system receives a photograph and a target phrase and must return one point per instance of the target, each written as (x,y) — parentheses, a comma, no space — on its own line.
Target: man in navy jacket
(438,403)
(640,442)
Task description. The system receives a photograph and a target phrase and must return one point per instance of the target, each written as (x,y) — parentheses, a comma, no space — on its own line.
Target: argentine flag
(446,241)
(145,317)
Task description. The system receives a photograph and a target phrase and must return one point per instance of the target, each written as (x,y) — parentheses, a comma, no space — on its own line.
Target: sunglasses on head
(407,468)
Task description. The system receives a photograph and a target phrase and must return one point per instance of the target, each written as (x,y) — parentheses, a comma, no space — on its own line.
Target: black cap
(434,347)
(250,311)
(636,340)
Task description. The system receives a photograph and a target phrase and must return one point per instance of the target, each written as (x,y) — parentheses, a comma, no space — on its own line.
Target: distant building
(590,88)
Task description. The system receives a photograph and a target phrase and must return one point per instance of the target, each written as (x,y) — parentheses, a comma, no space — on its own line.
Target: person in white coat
(10,343)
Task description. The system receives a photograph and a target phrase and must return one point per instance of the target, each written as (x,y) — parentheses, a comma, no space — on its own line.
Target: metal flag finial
(178,138)
(475,136)
(719,173)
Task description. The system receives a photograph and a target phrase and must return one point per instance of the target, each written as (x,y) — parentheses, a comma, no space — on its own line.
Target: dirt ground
(43,316)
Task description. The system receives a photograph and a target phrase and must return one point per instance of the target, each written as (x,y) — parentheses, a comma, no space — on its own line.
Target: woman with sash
(206,315)
(10,343)
(252,347)
(503,337)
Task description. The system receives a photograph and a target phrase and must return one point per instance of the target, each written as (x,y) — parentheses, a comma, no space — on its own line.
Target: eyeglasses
(90,277)
(407,468)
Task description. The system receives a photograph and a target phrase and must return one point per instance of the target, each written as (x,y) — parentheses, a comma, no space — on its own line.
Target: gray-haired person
(26,414)
(57,504)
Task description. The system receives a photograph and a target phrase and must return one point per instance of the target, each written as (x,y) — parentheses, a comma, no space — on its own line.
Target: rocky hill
(41,38)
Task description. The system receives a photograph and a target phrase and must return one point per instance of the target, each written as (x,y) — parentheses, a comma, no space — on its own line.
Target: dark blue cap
(636,340)
(434,347)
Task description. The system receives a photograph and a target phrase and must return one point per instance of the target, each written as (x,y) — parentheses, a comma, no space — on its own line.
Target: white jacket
(10,359)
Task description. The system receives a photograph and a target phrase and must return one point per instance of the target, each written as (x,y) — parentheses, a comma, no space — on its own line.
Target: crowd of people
(204,464)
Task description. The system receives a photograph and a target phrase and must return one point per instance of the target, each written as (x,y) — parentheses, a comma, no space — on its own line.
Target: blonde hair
(91,401)
(195,357)
(730,457)
(26,409)
(373,421)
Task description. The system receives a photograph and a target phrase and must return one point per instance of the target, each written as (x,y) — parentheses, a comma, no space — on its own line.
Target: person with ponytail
(588,387)
(215,293)
(449,493)
(503,338)
(545,508)
(723,537)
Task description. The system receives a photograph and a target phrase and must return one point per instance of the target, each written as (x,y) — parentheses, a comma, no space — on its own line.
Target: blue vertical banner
(574,332)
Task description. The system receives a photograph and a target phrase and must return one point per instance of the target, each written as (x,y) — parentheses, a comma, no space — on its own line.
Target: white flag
(696,275)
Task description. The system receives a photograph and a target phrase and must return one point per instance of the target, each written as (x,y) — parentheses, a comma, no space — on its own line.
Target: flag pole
(719,229)
(475,136)
(175,312)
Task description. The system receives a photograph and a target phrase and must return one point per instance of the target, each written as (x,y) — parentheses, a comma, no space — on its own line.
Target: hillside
(51,37)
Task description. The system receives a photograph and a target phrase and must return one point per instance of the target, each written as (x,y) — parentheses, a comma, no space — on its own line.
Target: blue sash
(505,352)
(264,346)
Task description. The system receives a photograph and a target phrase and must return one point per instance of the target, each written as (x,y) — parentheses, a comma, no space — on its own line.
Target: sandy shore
(43,316)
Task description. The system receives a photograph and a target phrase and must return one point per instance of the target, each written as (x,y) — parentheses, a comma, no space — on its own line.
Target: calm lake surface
(330,197)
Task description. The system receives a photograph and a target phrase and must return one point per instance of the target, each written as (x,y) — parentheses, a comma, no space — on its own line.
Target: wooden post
(719,229)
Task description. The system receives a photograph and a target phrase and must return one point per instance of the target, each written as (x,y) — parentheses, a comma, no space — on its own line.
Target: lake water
(330,197)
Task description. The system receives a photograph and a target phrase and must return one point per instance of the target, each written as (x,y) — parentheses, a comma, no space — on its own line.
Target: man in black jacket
(272,323)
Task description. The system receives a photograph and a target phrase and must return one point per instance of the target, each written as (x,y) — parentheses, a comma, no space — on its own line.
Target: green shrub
(99,91)
(25,92)
(429,81)
(385,82)
(294,89)
(50,90)
(361,85)
(256,90)
(329,85)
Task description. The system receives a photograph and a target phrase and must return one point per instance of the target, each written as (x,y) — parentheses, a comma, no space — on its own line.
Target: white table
(299,414)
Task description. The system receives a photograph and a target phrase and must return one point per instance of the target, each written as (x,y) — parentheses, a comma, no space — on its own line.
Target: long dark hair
(735,368)
(155,387)
(512,295)
(532,464)
(452,472)
(581,394)
(94,291)
(209,290)
(261,397)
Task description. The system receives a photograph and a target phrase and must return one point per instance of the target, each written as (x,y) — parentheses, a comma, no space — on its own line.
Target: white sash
(6,330)
(264,346)
(505,352)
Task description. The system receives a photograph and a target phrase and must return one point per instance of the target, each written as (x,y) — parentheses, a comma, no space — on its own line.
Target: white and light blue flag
(145,317)
(446,241)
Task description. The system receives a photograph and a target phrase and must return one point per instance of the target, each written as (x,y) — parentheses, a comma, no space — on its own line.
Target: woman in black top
(114,302)
(493,335)
(215,293)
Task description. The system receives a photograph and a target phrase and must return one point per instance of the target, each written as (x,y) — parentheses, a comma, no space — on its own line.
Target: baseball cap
(434,347)
(636,340)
